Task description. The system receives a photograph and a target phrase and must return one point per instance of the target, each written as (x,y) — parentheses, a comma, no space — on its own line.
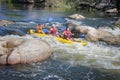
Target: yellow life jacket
(39,31)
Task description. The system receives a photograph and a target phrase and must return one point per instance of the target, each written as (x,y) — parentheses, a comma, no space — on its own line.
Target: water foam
(93,54)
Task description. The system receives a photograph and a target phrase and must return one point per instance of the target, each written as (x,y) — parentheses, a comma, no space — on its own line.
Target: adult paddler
(39,28)
(53,30)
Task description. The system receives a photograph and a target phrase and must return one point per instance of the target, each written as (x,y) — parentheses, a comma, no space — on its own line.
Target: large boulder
(93,34)
(15,51)
(89,31)
(112,40)
(102,33)
(76,17)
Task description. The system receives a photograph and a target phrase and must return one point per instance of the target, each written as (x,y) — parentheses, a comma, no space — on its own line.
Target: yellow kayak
(83,43)
(64,40)
(31,31)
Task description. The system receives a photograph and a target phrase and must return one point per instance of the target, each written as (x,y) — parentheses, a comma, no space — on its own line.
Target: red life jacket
(53,31)
(67,32)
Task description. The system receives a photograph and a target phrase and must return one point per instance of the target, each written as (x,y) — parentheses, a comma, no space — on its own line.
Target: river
(96,61)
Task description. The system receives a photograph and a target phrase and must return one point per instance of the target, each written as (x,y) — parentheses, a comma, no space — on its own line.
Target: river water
(96,61)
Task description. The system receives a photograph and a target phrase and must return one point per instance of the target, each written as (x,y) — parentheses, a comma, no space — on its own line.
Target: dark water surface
(51,69)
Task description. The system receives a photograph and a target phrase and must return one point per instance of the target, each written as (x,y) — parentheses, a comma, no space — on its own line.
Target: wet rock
(101,35)
(15,51)
(112,11)
(112,40)
(5,22)
(93,34)
(117,23)
(90,31)
(76,17)
(3,59)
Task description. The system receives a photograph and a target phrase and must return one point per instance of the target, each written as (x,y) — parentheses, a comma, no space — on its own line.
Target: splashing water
(93,54)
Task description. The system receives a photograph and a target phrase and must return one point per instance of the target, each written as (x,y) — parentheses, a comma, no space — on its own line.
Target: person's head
(67,28)
(39,24)
(53,25)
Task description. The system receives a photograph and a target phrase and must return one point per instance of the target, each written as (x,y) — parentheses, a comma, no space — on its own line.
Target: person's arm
(71,33)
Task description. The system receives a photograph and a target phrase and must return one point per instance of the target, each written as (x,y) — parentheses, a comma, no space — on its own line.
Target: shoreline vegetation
(108,6)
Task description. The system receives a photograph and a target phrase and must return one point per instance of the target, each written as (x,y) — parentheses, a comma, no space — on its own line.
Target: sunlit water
(95,61)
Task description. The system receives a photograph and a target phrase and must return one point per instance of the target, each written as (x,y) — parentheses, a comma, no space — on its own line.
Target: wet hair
(67,27)
(39,24)
(53,25)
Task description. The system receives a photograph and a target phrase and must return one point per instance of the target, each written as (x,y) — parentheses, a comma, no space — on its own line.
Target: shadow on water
(8,31)
(53,70)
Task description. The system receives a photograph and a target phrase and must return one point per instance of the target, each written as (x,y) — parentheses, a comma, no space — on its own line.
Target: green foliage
(59,3)
(11,1)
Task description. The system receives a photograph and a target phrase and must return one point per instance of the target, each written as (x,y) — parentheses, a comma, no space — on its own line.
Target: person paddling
(53,30)
(67,34)
(39,28)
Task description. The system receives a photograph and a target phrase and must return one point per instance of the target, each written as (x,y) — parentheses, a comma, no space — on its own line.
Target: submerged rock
(15,51)
(5,22)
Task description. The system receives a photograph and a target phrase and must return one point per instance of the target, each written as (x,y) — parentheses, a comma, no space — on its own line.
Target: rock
(112,11)
(15,51)
(117,23)
(5,22)
(14,58)
(102,33)
(112,40)
(3,59)
(92,35)
(76,17)
(80,28)
(90,31)
(96,34)
(26,1)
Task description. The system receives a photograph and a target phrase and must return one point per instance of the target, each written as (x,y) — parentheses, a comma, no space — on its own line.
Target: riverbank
(106,6)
